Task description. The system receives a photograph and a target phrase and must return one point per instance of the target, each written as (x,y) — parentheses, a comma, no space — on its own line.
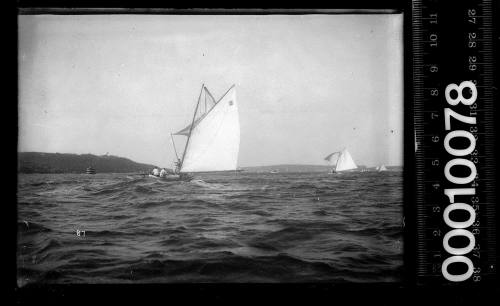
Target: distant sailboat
(381,168)
(213,137)
(343,162)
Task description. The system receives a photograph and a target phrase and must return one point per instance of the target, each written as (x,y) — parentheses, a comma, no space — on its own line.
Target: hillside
(37,162)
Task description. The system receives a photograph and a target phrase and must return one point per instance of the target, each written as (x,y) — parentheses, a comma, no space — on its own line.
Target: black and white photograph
(210,148)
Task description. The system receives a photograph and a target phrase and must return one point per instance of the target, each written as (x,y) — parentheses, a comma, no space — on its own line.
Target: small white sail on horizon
(213,136)
(381,168)
(343,162)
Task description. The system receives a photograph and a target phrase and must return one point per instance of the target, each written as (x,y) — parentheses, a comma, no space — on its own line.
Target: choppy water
(226,227)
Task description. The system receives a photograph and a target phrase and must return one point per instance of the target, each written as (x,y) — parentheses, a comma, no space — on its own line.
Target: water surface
(225,227)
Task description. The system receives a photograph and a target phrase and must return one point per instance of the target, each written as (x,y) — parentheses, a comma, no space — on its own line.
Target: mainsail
(381,168)
(213,136)
(343,162)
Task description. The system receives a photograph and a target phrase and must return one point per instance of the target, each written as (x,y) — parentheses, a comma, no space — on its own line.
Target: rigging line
(208,91)
(192,124)
(198,121)
(173,143)
(224,94)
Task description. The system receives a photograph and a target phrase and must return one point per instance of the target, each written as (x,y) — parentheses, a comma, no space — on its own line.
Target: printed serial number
(459,228)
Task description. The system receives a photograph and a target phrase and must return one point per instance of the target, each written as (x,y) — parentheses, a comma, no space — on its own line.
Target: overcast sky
(307,85)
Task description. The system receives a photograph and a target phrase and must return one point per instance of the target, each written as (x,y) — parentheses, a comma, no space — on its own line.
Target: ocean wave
(107,233)
(217,228)
(228,267)
(154,204)
(29,227)
(49,245)
(207,185)
(144,189)
(116,187)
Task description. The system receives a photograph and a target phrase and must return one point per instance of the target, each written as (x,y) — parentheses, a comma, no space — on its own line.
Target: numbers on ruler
(476,253)
(436,233)
(433,18)
(476,208)
(472,63)
(473,106)
(472,38)
(474,182)
(433,40)
(471,14)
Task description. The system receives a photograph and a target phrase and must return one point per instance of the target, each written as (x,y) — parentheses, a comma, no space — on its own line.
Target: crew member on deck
(163,172)
(156,172)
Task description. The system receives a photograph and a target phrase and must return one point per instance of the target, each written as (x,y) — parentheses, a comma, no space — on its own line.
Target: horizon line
(239,166)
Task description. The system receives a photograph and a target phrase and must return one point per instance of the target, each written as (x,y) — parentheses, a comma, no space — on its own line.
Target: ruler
(452,68)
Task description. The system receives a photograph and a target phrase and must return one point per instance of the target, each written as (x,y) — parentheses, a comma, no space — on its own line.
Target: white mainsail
(381,168)
(343,162)
(213,138)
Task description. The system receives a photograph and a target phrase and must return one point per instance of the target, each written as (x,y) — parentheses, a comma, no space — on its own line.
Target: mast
(192,124)
(338,160)
(173,143)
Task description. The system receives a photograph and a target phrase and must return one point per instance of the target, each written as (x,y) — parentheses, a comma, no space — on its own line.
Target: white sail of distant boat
(381,168)
(213,137)
(343,162)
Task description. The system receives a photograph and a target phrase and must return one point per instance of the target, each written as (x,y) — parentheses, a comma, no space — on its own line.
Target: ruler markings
(423,81)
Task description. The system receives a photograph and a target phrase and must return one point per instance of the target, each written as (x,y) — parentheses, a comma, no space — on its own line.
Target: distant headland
(39,162)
